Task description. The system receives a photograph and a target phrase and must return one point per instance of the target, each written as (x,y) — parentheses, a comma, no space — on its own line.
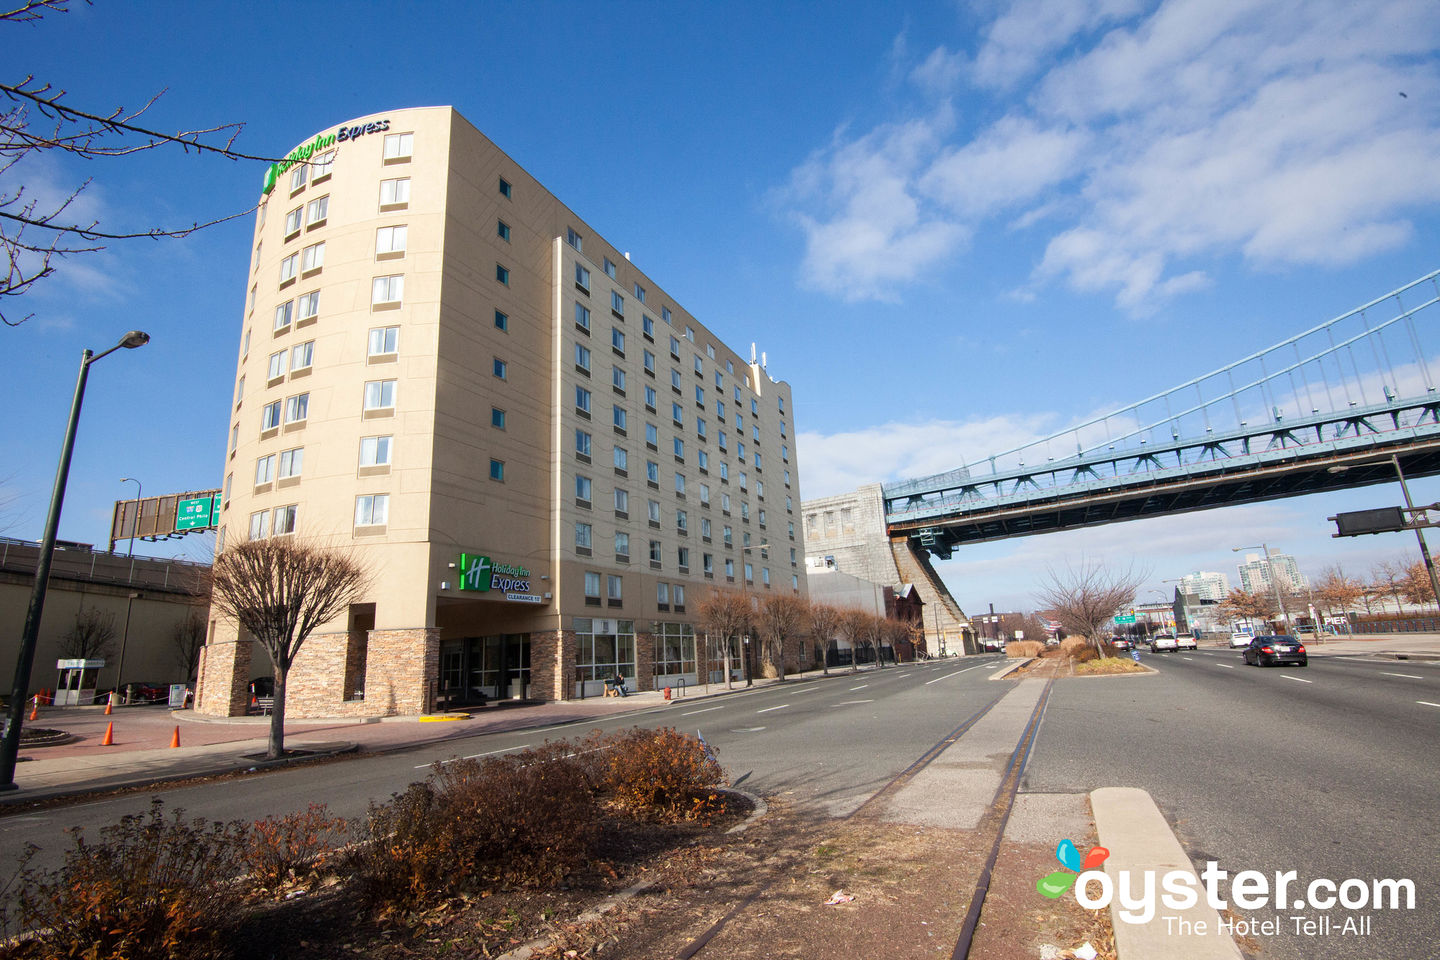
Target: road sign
(1125,618)
(193,514)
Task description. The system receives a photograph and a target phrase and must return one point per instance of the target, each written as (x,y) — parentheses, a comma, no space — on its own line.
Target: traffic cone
(175,738)
(35,710)
(109,739)
(109,703)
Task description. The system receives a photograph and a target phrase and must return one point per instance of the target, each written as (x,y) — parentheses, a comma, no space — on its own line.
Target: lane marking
(957,673)
(902,676)
(846,703)
(706,710)
(1227,666)
(1296,679)
(747,729)
(861,687)
(1407,676)
(1428,703)
(1187,658)
(768,709)
(475,756)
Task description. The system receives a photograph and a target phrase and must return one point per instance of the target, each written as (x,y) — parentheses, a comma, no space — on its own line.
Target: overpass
(1344,393)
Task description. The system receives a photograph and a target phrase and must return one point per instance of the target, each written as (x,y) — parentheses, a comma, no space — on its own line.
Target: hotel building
(541,457)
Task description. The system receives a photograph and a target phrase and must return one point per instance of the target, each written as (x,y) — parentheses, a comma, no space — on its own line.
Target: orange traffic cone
(175,738)
(109,703)
(109,738)
(35,710)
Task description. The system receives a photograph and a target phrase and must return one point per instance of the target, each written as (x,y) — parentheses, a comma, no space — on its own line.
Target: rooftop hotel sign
(323,142)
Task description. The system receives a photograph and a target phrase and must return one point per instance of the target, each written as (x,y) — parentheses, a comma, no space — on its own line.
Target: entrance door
(475,670)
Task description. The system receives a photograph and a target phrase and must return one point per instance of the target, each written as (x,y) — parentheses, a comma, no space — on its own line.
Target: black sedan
(1269,651)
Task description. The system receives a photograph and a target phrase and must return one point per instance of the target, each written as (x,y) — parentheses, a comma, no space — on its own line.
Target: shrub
(296,846)
(1024,648)
(153,887)
(1071,646)
(662,772)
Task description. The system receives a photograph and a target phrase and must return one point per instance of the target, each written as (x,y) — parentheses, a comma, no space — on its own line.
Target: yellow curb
(444,717)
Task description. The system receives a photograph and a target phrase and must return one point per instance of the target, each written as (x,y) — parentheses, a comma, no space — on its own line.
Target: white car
(1163,641)
(1186,642)
(1239,641)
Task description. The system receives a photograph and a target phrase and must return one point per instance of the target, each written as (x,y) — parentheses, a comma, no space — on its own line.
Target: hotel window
(622,546)
(582,400)
(497,418)
(502,274)
(652,508)
(394,193)
(677,593)
(583,488)
(317,211)
(497,470)
(387,290)
(729,568)
(700,397)
(728,537)
(675,379)
(265,469)
(677,414)
(782,428)
(725,503)
(287,267)
(297,408)
(655,552)
(582,358)
(375,451)
(270,416)
(309,304)
(699,364)
(647,326)
(710,350)
(617,378)
(650,399)
(500,368)
(575,240)
(785,452)
(399,147)
(682,522)
(680,484)
(613,589)
(293,220)
(724,471)
(652,435)
(705,529)
(618,417)
(705,494)
(765,576)
(682,556)
(622,460)
(782,404)
(323,166)
(707,563)
(617,340)
(755,432)
(312,257)
(583,535)
(582,317)
(372,509)
(506,190)
(582,443)
(282,521)
(749,573)
(665,314)
(225,492)
(291,463)
(234,437)
(380,395)
(298,176)
(662,595)
(690,334)
(719,382)
(703,459)
(758,464)
(592,587)
(675,348)
(582,278)
(239,389)
(720,410)
(639,293)
(276,365)
(742,479)
(609,268)
(652,472)
(384,341)
(502,230)
(622,503)
(679,446)
(259,525)
(617,303)
(648,359)
(502,321)
(390,242)
(754,408)
(700,428)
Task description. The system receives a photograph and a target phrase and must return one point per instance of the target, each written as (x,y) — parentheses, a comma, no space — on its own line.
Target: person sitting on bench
(615,686)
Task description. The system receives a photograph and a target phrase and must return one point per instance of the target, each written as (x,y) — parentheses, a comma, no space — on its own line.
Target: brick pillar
(224,674)
(552,665)
(644,661)
(402,670)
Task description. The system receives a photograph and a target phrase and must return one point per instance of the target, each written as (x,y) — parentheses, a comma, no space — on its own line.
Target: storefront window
(674,649)
(603,647)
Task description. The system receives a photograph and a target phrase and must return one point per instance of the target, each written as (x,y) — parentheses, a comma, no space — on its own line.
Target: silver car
(1163,641)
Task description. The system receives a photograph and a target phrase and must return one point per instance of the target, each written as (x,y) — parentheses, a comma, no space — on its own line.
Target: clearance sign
(323,142)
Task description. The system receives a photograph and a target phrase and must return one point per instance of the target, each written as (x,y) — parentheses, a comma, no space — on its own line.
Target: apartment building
(541,456)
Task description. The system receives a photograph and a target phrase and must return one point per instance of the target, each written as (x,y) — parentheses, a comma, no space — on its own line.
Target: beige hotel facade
(542,458)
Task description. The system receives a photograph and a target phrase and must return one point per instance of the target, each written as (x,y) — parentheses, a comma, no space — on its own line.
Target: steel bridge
(1311,413)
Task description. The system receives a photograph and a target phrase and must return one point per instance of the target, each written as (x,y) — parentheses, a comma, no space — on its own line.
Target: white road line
(1296,679)
(476,756)
(861,687)
(1227,666)
(1407,676)
(846,703)
(957,673)
(1187,658)
(768,709)
(1428,703)
(706,710)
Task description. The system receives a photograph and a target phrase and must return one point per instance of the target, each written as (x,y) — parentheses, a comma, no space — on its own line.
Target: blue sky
(995,218)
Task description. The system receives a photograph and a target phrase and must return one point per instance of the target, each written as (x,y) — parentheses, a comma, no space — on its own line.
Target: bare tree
(1336,592)
(1087,596)
(1386,577)
(279,590)
(725,614)
(780,620)
(187,638)
(852,626)
(824,625)
(1415,586)
(91,636)
(1248,606)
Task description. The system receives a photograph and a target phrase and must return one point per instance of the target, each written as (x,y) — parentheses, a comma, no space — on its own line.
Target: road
(1327,770)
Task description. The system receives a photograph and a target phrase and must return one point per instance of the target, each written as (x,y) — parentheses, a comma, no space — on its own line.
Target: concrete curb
(1139,838)
(1010,668)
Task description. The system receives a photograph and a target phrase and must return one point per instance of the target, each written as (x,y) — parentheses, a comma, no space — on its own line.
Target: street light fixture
(1394,461)
(10,743)
(1274,580)
(134,520)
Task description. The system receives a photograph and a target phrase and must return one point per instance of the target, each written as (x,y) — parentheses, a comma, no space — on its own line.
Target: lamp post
(134,520)
(125,639)
(1274,580)
(10,743)
(1410,507)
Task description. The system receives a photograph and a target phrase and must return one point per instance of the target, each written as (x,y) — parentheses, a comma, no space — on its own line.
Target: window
(380,395)
(707,563)
(622,546)
(500,368)
(259,525)
(722,440)
(728,536)
(386,290)
(609,268)
(749,572)
(270,416)
(497,470)
(297,408)
(502,230)
(592,586)
(652,508)
(582,399)
(617,340)
(582,278)
(582,317)
(613,589)
(293,220)
(675,348)
(317,211)
(298,176)
(618,417)
(700,427)
(725,502)
(575,240)
(785,452)
(399,147)
(652,436)
(276,366)
(617,378)
(287,267)
(665,314)
(655,552)
(720,410)
(680,484)
(650,399)
(699,365)
(384,340)
(239,389)
(622,459)
(582,357)
(675,380)
(390,242)
(497,418)
(282,521)
(682,556)
(582,443)
(584,486)
(395,193)
(502,274)
(705,528)
(375,451)
(724,471)
(662,595)
(754,408)
(702,458)
(719,382)
(372,509)
(291,463)
(652,472)
(506,190)
(729,568)
(309,305)
(648,359)
(743,478)
(705,494)
(647,326)
(690,334)
(234,437)
(313,257)
(677,413)
(682,522)
(617,302)
(765,576)
(622,501)
(700,397)
(502,321)
(322,166)
(583,536)
(264,469)
(679,448)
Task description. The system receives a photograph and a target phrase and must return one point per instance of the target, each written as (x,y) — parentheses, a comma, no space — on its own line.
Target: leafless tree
(187,638)
(824,625)
(1248,606)
(1085,597)
(36,121)
(1337,593)
(725,614)
(852,626)
(780,620)
(91,636)
(1386,579)
(1415,586)
(279,590)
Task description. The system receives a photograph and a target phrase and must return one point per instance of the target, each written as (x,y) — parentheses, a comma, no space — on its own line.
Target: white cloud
(1032,29)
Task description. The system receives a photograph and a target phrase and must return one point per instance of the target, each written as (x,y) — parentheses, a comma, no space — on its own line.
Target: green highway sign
(1125,618)
(194,514)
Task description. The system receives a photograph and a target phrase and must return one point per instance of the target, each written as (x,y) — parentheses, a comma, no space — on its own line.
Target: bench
(265,704)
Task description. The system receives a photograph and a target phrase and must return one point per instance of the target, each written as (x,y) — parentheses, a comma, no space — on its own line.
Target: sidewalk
(141,753)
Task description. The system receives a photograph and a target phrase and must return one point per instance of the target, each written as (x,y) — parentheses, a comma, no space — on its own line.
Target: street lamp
(1274,580)
(10,743)
(125,639)
(1410,505)
(134,520)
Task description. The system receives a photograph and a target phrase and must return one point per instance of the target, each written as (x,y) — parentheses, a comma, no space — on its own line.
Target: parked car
(1120,643)
(1163,641)
(1239,640)
(143,692)
(993,644)
(1186,642)
(1269,651)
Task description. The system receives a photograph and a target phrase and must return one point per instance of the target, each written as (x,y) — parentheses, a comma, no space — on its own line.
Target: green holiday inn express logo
(481,574)
(323,142)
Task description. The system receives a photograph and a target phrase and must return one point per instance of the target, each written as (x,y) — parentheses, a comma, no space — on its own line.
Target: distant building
(1205,585)
(1255,573)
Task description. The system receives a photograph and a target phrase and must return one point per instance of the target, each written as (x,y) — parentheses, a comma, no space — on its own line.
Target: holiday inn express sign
(480,574)
(323,142)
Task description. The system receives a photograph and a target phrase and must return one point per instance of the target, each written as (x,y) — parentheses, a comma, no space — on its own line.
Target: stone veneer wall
(552,665)
(224,671)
